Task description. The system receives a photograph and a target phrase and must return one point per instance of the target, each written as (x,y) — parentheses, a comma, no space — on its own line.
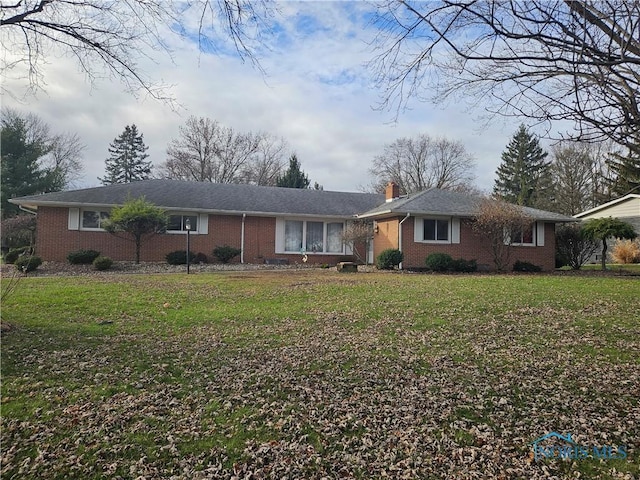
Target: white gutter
(244,215)
(400,236)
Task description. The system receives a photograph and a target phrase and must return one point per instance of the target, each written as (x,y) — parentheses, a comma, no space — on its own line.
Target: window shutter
(418,230)
(74,219)
(540,233)
(203,224)
(507,236)
(279,235)
(455,230)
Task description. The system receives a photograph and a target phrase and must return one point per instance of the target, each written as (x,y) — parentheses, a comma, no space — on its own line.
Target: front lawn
(314,374)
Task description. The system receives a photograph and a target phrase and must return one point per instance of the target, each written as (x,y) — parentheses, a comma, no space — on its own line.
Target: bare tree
(358,233)
(207,151)
(422,162)
(114,36)
(572,168)
(268,163)
(548,60)
(496,221)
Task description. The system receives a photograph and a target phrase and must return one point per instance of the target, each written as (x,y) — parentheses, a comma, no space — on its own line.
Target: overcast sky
(316,93)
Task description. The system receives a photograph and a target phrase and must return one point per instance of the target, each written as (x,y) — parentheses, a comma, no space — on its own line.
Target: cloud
(316,93)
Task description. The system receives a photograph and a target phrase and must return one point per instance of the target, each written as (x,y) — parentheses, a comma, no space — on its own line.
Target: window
(435,230)
(523,235)
(93,219)
(178,223)
(311,237)
(293,236)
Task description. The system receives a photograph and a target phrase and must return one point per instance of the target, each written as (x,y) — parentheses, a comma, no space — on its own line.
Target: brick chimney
(392,191)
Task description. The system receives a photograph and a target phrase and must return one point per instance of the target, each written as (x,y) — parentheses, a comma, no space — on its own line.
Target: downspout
(244,215)
(400,236)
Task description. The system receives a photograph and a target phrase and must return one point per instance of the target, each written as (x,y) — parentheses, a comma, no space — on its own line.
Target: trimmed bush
(27,263)
(179,257)
(520,266)
(15,253)
(82,257)
(226,253)
(439,262)
(389,259)
(102,263)
(466,266)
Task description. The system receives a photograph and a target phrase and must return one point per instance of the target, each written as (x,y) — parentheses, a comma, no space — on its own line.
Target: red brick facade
(54,240)
(471,245)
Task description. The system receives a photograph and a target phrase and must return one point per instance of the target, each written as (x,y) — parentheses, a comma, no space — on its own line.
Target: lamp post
(187,225)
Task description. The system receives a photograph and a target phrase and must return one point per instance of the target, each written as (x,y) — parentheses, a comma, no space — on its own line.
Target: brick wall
(54,240)
(471,246)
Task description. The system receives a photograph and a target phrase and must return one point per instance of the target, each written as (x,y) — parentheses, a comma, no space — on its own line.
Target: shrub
(573,248)
(84,257)
(439,262)
(13,254)
(462,265)
(102,263)
(28,263)
(388,259)
(520,266)
(626,251)
(200,258)
(179,257)
(226,253)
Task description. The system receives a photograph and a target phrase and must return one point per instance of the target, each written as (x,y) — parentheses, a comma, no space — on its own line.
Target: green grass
(320,373)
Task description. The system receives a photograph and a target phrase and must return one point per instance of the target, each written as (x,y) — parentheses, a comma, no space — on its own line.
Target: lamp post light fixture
(187,226)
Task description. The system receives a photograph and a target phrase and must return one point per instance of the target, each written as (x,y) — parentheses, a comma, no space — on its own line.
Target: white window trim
(80,217)
(280,236)
(453,234)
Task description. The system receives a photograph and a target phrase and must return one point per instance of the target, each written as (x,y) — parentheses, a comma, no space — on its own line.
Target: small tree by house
(603,228)
(358,232)
(127,162)
(496,221)
(573,247)
(136,220)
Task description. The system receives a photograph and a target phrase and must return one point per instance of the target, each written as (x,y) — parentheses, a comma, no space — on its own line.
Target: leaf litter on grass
(325,400)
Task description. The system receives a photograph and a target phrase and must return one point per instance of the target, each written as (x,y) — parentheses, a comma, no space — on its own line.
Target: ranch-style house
(272,224)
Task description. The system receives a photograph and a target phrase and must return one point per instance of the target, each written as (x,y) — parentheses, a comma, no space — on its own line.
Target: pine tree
(626,171)
(21,173)
(127,161)
(524,177)
(294,177)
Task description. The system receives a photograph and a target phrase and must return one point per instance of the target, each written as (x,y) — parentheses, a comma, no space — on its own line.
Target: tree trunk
(604,254)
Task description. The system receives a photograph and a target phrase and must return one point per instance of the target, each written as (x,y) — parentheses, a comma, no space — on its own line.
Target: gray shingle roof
(215,198)
(445,202)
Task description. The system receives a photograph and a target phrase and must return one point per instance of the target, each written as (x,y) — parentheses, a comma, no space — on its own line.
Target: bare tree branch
(546,60)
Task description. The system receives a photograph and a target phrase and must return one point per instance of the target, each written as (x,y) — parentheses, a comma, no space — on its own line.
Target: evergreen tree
(127,161)
(524,177)
(626,171)
(21,173)
(294,177)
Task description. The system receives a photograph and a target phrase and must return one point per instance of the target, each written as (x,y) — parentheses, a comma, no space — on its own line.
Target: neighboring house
(276,224)
(625,208)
